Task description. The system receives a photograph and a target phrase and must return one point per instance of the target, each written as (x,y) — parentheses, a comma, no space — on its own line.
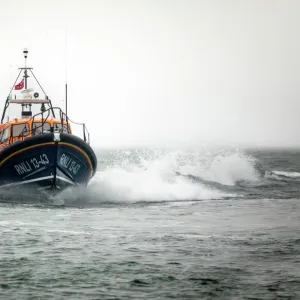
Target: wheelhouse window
(4,135)
(39,127)
(20,130)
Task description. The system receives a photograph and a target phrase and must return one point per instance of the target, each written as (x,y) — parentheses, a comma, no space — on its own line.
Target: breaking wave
(144,175)
(281,175)
(226,169)
(287,174)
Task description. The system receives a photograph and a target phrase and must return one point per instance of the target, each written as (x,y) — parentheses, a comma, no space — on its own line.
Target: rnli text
(32,164)
(70,164)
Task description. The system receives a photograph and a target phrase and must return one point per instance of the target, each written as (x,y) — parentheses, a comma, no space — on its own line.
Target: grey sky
(164,72)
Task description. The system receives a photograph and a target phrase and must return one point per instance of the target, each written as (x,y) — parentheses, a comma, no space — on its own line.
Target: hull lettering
(32,164)
(70,164)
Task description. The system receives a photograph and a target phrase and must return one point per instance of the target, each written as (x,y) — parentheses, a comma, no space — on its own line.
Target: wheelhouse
(18,130)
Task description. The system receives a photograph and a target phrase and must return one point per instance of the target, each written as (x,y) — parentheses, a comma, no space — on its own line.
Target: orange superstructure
(18,130)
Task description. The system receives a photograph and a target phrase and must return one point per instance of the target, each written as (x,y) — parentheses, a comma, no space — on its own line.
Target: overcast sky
(163,72)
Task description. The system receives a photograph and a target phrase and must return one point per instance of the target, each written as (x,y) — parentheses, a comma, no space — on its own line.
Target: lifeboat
(39,149)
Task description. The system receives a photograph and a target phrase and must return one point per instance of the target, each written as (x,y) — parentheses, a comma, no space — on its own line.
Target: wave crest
(157,175)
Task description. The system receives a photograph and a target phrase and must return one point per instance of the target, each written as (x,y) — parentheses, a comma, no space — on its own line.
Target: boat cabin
(18,130)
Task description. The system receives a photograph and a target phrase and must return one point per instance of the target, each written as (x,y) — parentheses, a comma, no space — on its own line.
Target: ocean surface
(160,224)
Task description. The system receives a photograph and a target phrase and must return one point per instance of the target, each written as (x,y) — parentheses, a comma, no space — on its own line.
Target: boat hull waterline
(48,163)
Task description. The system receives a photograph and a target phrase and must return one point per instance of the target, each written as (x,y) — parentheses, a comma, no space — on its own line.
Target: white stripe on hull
(36,180)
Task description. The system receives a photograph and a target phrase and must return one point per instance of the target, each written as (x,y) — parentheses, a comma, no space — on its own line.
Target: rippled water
(160,225)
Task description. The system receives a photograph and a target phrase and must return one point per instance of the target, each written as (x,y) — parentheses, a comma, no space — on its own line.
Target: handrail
(33,130)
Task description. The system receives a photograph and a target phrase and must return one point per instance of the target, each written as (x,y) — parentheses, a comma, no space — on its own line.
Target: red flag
(20,85)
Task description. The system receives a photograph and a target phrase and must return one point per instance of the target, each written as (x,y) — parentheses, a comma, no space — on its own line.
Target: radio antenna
(25,52)
(66,70)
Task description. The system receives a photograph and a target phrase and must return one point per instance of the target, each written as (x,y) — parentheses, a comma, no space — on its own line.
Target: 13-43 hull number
(32,164)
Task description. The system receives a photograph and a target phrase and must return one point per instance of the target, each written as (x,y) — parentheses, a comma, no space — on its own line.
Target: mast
(25,102)
(25,52)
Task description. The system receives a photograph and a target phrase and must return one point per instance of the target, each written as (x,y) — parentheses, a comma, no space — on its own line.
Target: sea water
(160,224)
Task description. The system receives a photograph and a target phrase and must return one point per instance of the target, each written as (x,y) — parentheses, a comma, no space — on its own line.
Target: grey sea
(160,224)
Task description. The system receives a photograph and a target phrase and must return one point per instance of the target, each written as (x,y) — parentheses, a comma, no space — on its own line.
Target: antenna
(66,50)
(67,101)
(25,52)
(66,66)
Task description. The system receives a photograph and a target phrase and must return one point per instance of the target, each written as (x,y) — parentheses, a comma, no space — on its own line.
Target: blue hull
(48,163)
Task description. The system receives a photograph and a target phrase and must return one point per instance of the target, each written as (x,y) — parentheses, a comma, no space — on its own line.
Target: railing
(32,128)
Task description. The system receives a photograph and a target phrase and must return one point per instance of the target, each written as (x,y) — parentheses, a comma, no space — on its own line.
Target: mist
(160,73)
